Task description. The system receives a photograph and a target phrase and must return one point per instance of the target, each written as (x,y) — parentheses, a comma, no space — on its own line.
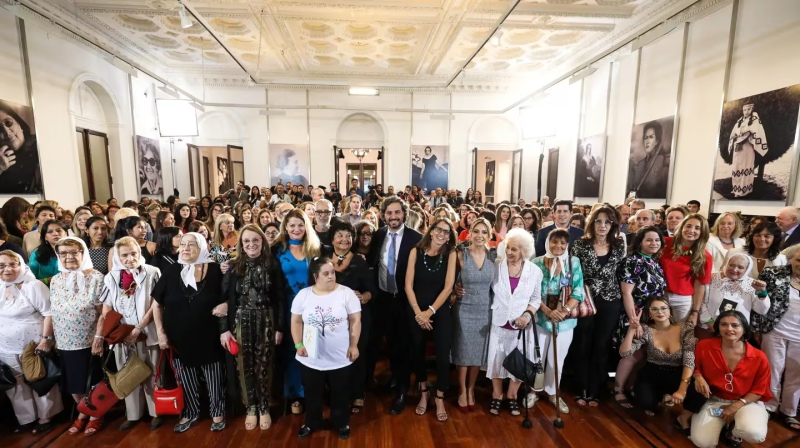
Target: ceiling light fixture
(360,153)
(170,92)
(496,38)
(186,22)
(364,91)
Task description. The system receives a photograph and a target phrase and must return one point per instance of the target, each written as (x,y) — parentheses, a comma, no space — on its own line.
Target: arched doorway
(359,152)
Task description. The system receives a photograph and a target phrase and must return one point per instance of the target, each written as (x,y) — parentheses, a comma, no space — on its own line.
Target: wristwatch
(48,338)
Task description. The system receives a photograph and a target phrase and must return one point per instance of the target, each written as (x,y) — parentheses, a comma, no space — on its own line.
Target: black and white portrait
(223,175)
(289,163)
(149,166)
(20,171)
(756,146)
(651,155)
(429,165)
(589,166)
(488,187)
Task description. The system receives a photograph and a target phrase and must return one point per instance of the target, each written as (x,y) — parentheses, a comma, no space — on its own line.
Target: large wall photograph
(149,166)
(20,171)
(756,146)
(429,166)
(289,163)
(651,155)
(589,166)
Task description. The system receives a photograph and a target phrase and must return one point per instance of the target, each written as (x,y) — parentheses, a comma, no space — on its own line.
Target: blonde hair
(311,244)
(12,254)
(737,225)
(218,233)
(75,230)
(125,212)
(127,241)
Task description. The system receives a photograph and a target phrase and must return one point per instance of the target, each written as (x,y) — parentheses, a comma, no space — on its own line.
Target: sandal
(513,406)
(442,417)
(356,407)
(593,402)
(623,402)
(423,393)
(297,407)
(265,421)
(93,426)
(792,423)
(494,406)
(77,426)
(582,401)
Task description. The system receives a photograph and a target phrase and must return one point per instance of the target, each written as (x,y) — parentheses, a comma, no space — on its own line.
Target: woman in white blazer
(725,235)
(517,296)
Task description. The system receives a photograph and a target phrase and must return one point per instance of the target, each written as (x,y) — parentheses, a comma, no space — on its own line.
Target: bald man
(787,220)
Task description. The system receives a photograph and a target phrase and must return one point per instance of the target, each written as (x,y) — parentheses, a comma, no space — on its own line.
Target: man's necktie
(391,286)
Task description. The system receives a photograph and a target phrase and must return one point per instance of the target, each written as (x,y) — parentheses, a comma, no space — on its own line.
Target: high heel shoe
(426,394)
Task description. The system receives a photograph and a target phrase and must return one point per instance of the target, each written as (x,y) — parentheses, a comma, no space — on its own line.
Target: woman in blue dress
(294,249)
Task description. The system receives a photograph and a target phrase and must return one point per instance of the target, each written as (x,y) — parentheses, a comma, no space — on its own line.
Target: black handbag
(52,376)
(8,380)
(517,362)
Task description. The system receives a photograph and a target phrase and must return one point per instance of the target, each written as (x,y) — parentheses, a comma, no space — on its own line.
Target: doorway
(364,165)
(552,173)
(497,174)
(95,165)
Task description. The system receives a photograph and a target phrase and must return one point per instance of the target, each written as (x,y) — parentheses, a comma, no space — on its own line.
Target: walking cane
(558,423)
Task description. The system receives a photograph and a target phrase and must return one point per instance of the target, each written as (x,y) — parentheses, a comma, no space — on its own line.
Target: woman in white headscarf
(559,270)
(733,289)
(128,289)
(25,318)
(75,306)
(184,298)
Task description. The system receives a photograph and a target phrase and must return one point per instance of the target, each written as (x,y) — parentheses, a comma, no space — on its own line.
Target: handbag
(130,376)
(8,380)
(52,368)
(99,399)
(585,308)
(32,364)
(167,401)
(517,362)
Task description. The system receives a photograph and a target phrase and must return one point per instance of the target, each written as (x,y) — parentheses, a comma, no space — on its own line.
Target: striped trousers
(214,376)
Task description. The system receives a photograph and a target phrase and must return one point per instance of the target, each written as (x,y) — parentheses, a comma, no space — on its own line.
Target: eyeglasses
(729,379)
(148,160)
(9,265)
(603,222)
(272,234)
(72,253)
(441,231)
(323,212)
(663,309)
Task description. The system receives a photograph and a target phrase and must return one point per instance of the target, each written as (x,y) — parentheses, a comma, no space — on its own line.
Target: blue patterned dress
(645,274)
(296,273)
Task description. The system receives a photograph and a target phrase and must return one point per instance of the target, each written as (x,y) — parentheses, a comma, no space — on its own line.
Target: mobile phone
(715,412)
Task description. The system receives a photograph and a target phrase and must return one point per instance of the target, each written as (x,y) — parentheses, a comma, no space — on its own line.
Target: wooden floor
(606,426)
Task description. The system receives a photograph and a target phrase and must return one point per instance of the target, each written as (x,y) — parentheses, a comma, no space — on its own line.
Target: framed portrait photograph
(650,159)
(20,170)
(149,166)
(429,166)
(589,166)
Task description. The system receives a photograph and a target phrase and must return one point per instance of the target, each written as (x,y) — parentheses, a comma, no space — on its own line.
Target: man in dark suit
(388,254)
(561,215)
(787,220)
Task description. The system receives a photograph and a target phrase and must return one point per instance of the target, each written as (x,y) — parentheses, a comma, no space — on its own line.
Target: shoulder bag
(8,380)
(167,401)
(130,376)
(99,399)
(52,372)
(32,364)
(517,362)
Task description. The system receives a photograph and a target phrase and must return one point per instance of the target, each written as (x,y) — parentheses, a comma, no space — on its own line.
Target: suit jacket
(574,234)
(410,239)
(793,239)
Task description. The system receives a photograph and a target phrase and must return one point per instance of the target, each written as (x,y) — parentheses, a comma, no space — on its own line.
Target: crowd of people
(268,294)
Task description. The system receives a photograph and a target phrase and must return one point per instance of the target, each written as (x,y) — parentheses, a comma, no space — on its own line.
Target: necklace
(519,271)
(438,262)
(727,243)
(200,285)
(340,258)
(683,251)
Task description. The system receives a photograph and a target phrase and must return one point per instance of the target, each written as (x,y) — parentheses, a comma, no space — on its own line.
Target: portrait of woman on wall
(149,166)
(651,154)
(19,156)
(429,166)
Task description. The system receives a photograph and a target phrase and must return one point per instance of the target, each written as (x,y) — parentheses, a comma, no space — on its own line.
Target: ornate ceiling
(412,43)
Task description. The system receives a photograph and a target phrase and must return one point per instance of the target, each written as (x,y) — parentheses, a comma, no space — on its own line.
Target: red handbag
(167,401)
(99,400)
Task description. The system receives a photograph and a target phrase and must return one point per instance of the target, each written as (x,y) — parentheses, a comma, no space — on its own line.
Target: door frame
(518,186)
(552,194)
(207,171)
(88,158)
(189,148)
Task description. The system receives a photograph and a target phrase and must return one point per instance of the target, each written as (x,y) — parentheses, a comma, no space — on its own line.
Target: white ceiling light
(364,91)
(496,38)
(186,22)
(124,66)
(272,112)
(170,92)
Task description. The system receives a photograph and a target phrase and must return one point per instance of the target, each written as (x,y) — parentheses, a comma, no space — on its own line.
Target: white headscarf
(25,275)
(747,270)
(117,266)
(562,259)
(76,277)
(187,273)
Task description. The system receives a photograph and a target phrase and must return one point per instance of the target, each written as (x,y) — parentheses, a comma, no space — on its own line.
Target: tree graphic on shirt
(323,318)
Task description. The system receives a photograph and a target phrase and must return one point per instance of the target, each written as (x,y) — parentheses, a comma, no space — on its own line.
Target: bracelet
(569,310)
(433,310)
(743,401)
(97,336)
(687,380)
(48,338)
(137,327)
(298,345)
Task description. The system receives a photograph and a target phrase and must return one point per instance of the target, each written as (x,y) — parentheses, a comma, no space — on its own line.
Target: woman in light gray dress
(471,310)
